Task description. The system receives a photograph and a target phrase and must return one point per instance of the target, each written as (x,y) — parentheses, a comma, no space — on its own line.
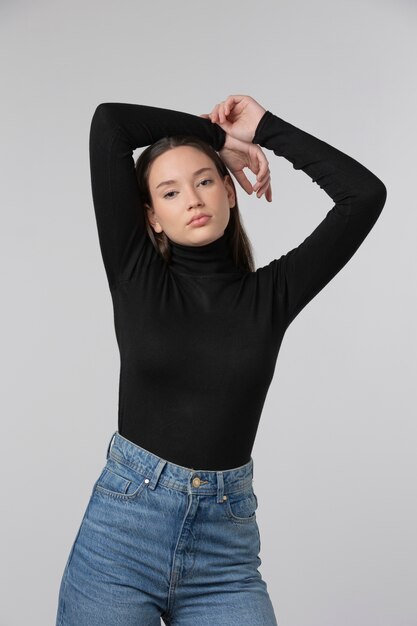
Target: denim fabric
(162,541)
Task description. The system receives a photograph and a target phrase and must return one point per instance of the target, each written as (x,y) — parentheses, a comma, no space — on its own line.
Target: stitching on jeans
(242,484)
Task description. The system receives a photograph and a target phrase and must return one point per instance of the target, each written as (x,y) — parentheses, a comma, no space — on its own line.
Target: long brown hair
(241,247)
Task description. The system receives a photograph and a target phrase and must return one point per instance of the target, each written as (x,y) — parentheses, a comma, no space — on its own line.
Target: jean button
(196,481)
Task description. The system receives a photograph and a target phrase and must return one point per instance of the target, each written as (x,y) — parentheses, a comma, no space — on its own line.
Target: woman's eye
(167,194)
(206,180)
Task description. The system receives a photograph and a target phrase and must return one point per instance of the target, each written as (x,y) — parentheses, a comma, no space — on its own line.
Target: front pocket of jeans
(118,483)
(241,507)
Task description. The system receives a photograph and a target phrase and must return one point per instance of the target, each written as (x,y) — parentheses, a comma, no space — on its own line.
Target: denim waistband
(160,471)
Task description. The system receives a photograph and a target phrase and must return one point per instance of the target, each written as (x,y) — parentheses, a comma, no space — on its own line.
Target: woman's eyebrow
(170,182)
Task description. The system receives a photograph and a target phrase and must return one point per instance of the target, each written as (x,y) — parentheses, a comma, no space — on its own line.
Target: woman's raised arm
(358,194)
(359,198)
(116,130)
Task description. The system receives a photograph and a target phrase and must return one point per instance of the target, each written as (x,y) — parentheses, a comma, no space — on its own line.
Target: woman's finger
(214,114)
(263,168)
(223,109)
(264,188)
(230,103)
(268,193)
(219,110)
(263,164)
(222,112)
(263,171)
(219,113)
(261,183)
(243,181)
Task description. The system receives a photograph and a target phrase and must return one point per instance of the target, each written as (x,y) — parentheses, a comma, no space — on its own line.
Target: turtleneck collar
(211,258)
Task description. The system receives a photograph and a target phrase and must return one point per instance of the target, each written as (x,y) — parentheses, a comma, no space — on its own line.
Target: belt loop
(109,446)
(156,473)
(220,486)
(189,483)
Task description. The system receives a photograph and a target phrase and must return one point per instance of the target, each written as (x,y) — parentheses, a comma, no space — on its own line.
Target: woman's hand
(237,155)
(238,116)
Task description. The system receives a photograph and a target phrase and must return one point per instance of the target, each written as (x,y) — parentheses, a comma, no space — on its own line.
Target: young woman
(170,529)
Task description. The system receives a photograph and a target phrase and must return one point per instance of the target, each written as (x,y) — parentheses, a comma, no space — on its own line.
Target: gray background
(334,458)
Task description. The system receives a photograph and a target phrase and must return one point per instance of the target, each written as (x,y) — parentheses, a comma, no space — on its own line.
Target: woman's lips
(200,221)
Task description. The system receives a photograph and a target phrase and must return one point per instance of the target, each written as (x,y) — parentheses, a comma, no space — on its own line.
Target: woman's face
(189,192)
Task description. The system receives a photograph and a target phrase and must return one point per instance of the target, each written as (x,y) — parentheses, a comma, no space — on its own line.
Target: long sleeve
(116,130)
(359,198)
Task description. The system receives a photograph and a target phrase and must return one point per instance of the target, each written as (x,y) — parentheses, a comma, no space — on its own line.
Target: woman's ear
(230,191)
(150,215)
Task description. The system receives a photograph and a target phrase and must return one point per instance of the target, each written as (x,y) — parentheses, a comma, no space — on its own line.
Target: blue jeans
(158,540)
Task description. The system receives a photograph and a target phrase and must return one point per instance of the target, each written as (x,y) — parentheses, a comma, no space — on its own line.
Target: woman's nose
(193,198)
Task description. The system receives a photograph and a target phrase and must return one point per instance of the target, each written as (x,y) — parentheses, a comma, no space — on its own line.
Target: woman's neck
(211,258)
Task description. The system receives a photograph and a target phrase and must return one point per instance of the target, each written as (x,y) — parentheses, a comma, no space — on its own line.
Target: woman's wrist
(227,140)
(231,143)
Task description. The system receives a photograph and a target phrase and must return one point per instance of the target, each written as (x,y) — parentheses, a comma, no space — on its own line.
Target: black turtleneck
(211,258)
(199,338)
